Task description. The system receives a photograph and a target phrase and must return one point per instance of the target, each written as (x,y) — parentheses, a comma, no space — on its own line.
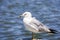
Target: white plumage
(32,24)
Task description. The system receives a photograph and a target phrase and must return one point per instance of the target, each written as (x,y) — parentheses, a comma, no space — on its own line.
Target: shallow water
(12,28)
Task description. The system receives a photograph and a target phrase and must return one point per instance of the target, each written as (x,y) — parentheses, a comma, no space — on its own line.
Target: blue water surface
(12,28)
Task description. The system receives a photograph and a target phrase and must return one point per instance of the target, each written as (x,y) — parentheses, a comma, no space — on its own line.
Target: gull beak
(20,16)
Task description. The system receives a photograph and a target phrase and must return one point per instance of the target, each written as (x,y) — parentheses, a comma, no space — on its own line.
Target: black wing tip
(53,31)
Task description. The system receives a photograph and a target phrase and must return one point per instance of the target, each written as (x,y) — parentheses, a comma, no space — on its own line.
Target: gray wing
(39,25)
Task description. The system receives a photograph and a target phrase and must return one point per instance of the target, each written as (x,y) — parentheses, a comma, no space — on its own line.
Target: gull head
(26,14)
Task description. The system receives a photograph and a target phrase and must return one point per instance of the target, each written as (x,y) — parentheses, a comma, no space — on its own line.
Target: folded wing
(41,27)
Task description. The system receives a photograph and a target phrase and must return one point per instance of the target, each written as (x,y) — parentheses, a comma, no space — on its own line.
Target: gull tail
(52,31)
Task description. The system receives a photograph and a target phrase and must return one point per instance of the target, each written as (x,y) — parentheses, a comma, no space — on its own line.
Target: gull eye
(24,14)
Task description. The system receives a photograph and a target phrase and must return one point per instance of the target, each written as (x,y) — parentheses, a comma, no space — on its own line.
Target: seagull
(34,25)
